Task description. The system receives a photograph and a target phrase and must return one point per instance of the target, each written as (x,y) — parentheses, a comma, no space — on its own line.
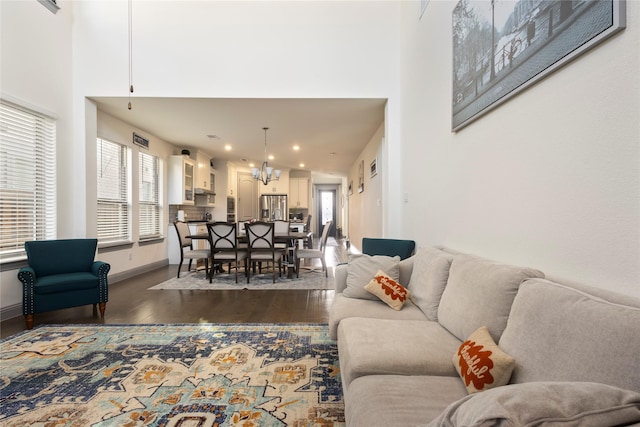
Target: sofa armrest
(27,276)
(101,269)
(341,277)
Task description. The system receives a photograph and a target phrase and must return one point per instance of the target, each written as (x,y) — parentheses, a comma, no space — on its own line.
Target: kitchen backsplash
(190,212)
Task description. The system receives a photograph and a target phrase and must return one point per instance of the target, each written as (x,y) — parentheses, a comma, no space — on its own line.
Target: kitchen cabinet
(299,193)
(205,187)
(181,181)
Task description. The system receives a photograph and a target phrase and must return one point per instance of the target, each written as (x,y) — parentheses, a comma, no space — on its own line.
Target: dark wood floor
(130,302)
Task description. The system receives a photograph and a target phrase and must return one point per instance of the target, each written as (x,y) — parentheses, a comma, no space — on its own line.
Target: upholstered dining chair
(62,274)
(316,253)
(261,246)
(224,246)
(186,247)
(308,242)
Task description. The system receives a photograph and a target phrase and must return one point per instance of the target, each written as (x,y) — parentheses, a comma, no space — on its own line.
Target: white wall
(366,208)
(35,71)
(550,179)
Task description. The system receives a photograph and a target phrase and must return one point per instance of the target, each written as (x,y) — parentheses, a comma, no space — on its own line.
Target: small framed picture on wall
(361,177)
(373,167)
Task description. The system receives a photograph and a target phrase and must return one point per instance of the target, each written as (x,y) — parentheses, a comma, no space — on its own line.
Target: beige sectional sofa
(576,348)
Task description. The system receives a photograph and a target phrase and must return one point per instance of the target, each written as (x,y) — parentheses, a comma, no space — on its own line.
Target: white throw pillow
(361,270)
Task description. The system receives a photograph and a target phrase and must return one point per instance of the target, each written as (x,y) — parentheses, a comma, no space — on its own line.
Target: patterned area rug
(171,375)
(224,281)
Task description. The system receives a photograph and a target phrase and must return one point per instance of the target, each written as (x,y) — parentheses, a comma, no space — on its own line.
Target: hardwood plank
(130,302)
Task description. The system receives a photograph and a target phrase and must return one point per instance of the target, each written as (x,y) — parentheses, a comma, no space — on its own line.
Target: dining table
(289,238)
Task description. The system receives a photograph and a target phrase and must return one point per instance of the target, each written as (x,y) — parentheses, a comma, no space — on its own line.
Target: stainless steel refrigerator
(273,207)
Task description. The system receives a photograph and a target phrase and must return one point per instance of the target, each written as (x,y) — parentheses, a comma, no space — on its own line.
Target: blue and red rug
(171,375)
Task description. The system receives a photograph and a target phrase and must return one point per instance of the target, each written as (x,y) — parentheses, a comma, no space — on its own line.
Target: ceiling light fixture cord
(130,52)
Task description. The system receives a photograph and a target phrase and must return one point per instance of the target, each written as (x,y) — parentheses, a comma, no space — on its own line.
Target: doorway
(327,210)
(247,206)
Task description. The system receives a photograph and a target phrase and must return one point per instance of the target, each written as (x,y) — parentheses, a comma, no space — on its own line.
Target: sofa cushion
(428,279)
(580,404)
(408,347)
(480,292)
(50,257)
(361,270)
(399,400)
(481,364)
(388,290)
(575,336)
(344,308)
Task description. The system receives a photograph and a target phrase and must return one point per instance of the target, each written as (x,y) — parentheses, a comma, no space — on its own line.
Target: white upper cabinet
(181,181)
(299,193)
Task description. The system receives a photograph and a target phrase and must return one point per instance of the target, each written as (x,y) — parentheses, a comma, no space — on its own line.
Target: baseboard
(15,310)
(10,312)
(123,275)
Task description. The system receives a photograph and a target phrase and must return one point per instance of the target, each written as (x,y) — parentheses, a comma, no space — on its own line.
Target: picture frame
(141,141)
(373,167)
(529,41)
(361,176)
(423,7)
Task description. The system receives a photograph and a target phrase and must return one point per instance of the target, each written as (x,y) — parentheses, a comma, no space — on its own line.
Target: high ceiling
(331,133)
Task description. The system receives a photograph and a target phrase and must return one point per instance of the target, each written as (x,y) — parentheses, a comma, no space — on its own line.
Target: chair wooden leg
(324,267)
(179,267)
(102,306)
(298,268)
(29,320)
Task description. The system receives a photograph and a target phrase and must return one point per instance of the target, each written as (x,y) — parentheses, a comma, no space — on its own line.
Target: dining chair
(223,237)
(308,242)
(261,246)
(315,253)
(186,247)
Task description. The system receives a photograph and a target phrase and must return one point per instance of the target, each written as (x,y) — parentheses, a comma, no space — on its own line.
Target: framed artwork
(361,177)
(373,167)
(139,140)
(423,7)
(501,47)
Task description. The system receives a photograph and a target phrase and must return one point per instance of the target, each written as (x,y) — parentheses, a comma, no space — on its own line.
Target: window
(27,179)
(150,208)
(114,193)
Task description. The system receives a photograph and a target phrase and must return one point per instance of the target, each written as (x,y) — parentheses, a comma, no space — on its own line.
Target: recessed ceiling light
(251,165)
(296,147)
(301,165)
(212,136)
(333,153)
(271,157)
(227,147)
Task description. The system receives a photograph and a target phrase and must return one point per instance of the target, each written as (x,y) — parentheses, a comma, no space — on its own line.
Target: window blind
(150,209)
(114,218)
(27,179)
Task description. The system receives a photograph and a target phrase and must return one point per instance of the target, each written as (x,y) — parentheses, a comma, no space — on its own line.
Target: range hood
(204,191)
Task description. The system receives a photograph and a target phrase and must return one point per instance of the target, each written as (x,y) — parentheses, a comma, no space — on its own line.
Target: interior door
(247,206)
(327,210)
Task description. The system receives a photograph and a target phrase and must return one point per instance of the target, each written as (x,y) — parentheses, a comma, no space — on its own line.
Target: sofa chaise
(557,352)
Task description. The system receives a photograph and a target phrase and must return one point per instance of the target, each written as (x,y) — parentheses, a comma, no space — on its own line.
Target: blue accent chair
(389,247)
(62,274)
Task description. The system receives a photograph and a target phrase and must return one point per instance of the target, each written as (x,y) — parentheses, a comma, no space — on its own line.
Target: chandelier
(265,173)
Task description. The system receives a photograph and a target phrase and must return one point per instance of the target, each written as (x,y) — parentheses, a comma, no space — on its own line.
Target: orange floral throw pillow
(481,364)
(388,290)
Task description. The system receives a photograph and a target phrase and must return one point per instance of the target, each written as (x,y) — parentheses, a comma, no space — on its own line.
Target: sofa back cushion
(49,257)
(479,293)
(558,333)
(428,279)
